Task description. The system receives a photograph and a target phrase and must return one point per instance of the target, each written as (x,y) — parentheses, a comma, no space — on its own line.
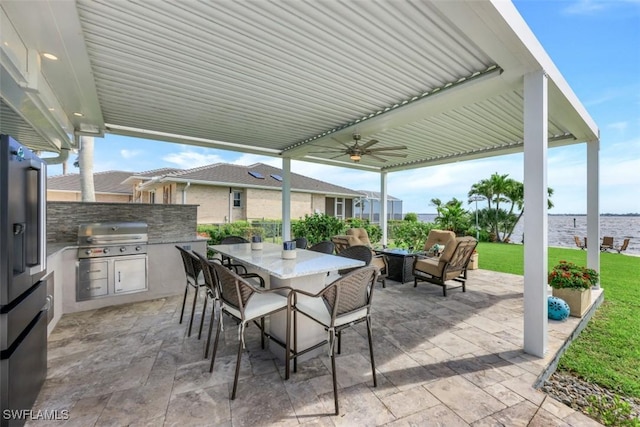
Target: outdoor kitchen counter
(165,275)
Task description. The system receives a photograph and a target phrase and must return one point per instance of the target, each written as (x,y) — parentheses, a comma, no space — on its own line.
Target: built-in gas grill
(103,239)
(112,259)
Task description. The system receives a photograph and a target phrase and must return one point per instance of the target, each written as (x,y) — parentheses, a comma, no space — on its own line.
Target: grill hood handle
(111,239)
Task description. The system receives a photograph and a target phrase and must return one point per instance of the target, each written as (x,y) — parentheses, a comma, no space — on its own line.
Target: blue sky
(594,44)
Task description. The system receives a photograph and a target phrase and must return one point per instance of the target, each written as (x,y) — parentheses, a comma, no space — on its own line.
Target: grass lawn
(608,350)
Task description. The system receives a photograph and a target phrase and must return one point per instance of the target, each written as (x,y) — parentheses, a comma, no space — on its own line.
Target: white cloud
(128,154)
(585,7)
(618,126)
(192,159)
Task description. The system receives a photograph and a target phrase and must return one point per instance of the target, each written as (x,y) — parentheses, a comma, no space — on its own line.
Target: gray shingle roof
(155,172)
(104,182)
(240,176)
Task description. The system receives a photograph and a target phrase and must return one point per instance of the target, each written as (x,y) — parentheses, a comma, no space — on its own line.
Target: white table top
(270,260)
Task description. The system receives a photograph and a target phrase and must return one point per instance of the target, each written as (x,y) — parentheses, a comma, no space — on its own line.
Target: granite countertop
(53,247)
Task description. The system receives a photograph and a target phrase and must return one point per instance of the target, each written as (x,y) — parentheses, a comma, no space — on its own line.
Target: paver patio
(453,361)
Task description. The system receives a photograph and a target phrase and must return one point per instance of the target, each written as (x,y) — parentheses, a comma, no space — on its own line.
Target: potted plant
(573,283)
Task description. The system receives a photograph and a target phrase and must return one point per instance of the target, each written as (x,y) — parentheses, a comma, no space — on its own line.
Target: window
(276,177)
(166,195)
(237,199)
(152,197)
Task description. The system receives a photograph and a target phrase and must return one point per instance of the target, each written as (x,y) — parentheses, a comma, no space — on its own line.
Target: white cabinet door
(130,274)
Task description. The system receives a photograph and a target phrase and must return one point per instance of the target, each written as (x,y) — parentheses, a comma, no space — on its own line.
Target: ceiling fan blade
(378,158)
(397,147)
(339,155)
(342,143)
(329,150)
(369,143)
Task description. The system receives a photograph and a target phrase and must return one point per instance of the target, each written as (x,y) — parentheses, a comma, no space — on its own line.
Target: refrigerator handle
(36,236)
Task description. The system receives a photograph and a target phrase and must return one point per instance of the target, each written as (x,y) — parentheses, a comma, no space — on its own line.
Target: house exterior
(227,192)
(108,186)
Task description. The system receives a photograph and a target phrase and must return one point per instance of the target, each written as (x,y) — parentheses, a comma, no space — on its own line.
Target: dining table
(309,271)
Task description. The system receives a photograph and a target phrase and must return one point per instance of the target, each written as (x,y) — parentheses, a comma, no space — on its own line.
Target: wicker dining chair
(340,305)
(246,303)
(325,247)
(213,294)
(194,279)
(232,240)
(359,252)
(301,242)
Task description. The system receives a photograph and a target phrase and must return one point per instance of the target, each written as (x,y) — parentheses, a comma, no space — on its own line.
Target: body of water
(562,228)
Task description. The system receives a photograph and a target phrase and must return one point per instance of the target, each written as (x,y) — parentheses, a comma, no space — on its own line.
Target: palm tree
(502,189)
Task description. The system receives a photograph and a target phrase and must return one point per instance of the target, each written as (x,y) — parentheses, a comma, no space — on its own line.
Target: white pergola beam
(535,217)
(286,198)
(383,206)
(593,206)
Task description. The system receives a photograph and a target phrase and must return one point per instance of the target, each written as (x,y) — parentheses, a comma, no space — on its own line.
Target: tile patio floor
(453,361)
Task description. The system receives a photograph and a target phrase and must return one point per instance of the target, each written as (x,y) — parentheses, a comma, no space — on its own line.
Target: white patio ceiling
(283,78)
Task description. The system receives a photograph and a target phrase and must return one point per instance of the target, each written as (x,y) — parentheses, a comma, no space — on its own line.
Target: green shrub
(411,235)
(412,217)
(612,412)
(217,232)
(317,227)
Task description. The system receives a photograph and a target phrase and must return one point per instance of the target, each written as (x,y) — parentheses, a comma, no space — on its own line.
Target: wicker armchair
(451,265)
(340,305)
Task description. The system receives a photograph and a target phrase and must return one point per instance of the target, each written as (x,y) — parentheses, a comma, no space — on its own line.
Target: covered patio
(450,81)
(453,361)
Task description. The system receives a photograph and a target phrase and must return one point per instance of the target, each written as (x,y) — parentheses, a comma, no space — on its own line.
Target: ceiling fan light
(355,157)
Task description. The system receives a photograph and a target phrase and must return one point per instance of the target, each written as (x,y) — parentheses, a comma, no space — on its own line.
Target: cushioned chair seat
(428,265)
(317,309)
(258,305)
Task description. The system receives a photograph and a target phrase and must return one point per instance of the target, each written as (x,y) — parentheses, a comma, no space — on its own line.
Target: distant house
(225,192)
(368,207)
(108,186)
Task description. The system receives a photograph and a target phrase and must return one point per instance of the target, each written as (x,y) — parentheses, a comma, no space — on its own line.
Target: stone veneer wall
(166,222)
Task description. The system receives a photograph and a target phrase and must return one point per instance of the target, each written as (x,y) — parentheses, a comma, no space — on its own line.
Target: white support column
(383,206)
(286,198)
(593,206)
(535,216)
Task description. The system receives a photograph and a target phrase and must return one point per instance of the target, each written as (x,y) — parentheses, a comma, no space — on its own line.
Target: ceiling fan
(357,151)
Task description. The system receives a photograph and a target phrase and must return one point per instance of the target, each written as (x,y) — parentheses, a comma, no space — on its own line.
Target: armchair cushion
(440,237)
(359,236)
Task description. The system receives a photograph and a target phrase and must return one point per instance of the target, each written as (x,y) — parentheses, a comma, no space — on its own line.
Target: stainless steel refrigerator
(23,294)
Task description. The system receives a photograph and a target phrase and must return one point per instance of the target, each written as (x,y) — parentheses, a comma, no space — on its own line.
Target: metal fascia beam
(189,140)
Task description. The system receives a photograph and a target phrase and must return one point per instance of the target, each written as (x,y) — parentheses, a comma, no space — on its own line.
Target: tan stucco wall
(268,203)
(68,196)
(213,201)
